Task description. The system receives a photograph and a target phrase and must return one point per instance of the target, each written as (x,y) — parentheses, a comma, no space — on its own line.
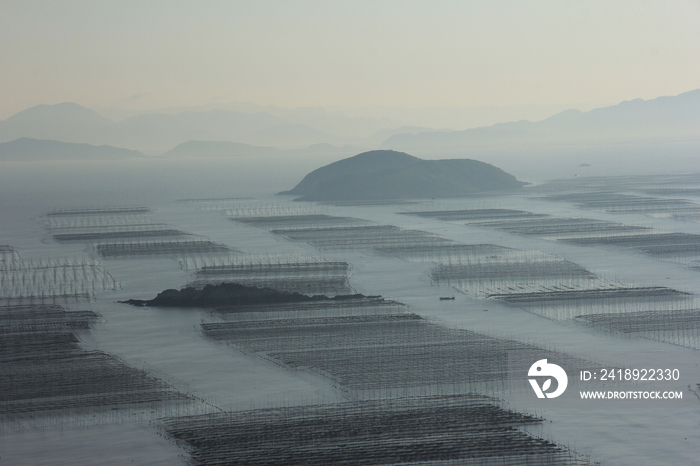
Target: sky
(161,53)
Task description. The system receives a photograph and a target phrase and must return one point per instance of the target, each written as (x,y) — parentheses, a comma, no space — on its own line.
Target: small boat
(447,298)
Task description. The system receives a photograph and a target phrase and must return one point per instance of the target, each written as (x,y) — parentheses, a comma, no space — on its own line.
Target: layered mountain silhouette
(155,132)
(66,112)
(388,174)
(158,132)
(39,149)
(638,121)
(663,118)
(66,122)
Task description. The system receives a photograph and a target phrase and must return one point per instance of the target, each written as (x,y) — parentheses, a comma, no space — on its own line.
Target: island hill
(388,174)
(232,295)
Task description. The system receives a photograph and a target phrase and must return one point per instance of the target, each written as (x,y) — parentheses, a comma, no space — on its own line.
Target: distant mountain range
(27,149)
(387,174)
(664,118)
(66,113)
(156,133)
(72,123)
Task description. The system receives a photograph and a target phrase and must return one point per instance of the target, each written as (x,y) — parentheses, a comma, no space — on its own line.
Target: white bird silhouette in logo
(542,369)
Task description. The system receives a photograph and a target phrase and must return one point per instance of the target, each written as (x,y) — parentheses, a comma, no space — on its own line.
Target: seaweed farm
(127,232)
(369,203)
(511,269)
(412,383)
(258,209)
(98,225)
(113,211)
(48,280)
(300,221)
(443,252)
(361,237)
(357,306)
(558,227)
(544,284)
(334,233)
(383,355)
(617,203)
(435,371)
(182,248)
(541,283)
(530,224)
(559,289)
(76,218)
(629,183)
(466,429)
(596,293)
(650,195)
(549,286)
(679,247)
(104,233)
(475,215)
(337,233)
(679,327)
(305,275)
(493,272)
(95,225)
(675,246)
(599,296)
(48,377)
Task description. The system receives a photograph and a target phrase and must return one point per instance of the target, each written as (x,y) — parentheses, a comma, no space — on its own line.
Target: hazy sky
(157,53)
